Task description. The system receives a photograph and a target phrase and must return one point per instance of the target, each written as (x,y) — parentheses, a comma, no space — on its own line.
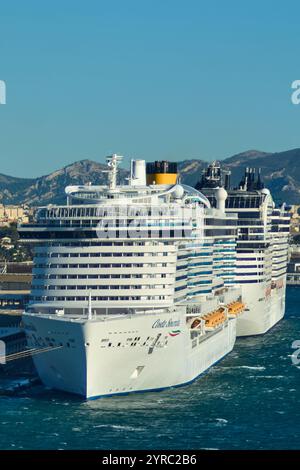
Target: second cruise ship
(262,246)
(133,285)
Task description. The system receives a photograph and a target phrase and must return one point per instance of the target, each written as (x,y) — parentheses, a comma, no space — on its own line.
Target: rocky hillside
(281,173)
(50,188)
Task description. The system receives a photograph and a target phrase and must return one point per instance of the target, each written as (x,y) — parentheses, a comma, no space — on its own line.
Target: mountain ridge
(280,171)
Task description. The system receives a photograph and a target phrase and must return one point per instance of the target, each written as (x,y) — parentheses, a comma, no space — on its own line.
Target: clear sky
(148,79)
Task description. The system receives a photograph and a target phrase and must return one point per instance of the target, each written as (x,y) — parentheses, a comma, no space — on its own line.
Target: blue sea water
(250,400)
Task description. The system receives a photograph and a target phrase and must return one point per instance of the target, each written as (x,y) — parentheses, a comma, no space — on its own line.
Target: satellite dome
(221,194)
(178,192)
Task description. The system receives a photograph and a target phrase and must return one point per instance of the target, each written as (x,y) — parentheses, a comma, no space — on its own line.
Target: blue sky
(145,78)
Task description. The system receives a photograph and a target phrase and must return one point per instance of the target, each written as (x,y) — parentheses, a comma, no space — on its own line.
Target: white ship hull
(123,355)
(263,309)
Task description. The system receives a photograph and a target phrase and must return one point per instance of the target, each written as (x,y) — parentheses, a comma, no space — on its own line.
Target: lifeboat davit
(196,323)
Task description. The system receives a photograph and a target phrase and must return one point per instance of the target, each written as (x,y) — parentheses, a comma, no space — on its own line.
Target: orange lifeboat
(235,308)
(215,318)
(212,319)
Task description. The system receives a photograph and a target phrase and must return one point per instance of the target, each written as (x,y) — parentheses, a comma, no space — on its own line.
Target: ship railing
(129,313)
(102,313)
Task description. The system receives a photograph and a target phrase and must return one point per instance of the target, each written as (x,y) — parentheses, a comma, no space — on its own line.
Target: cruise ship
(133,285)
(262,246)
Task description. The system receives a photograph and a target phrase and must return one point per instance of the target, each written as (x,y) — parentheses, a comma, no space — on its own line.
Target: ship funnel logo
(2,352)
